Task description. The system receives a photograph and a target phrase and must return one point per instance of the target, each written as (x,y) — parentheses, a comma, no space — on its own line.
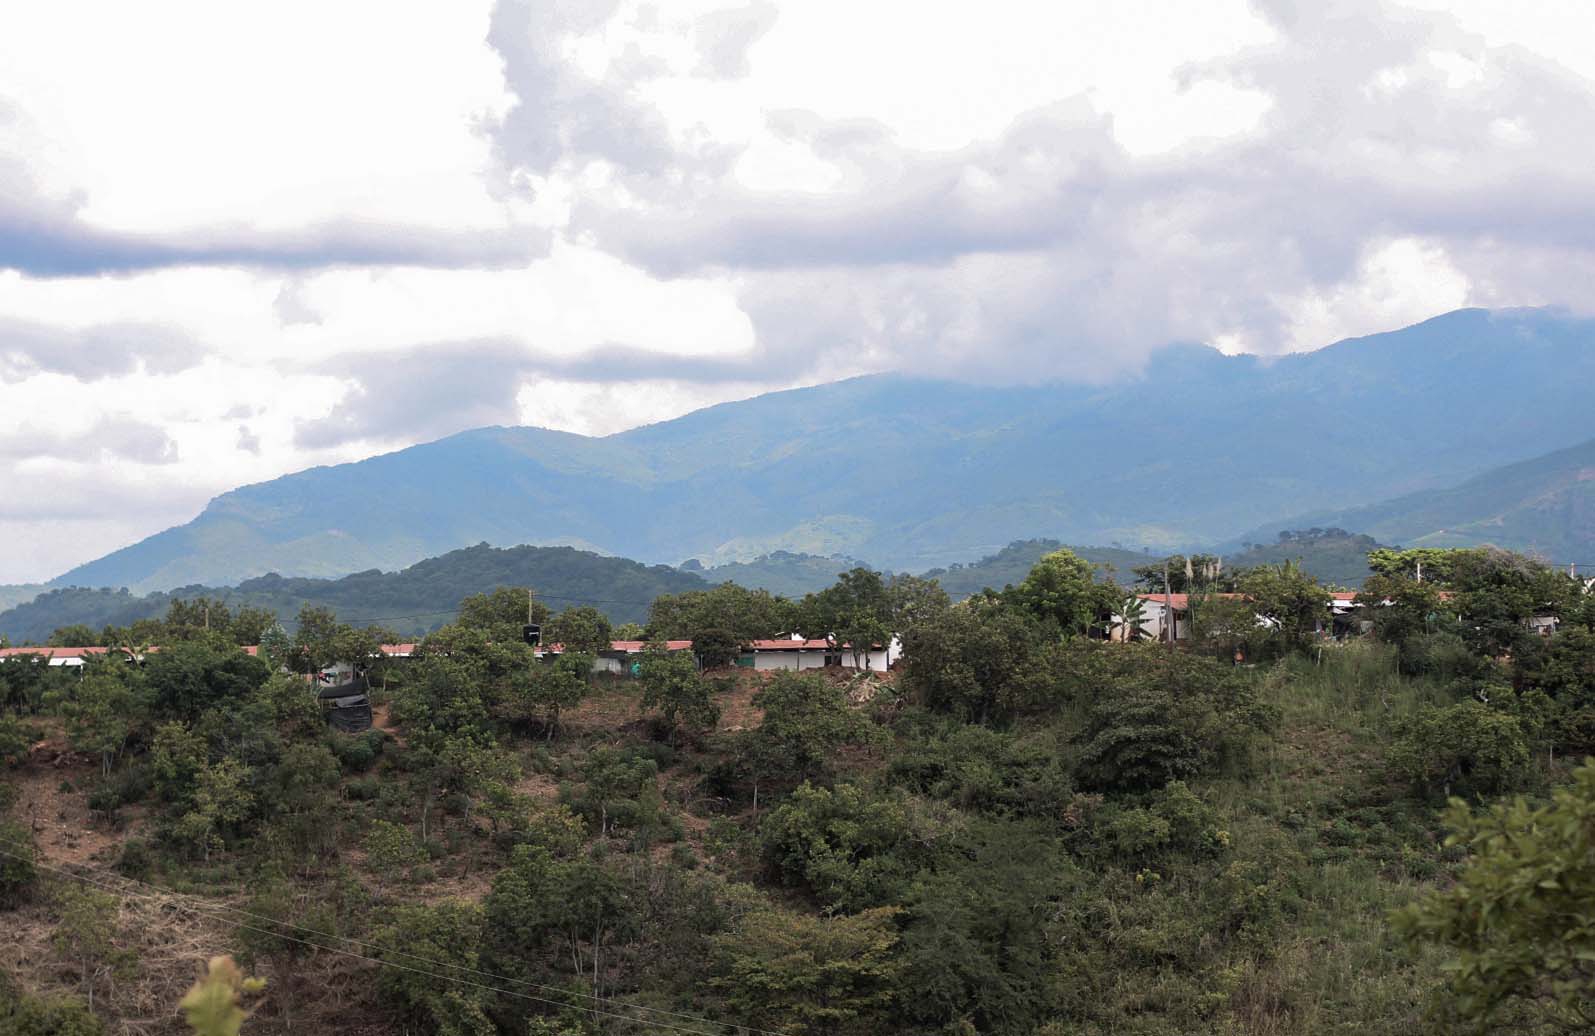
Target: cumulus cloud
(93,353)
(1050,250)
(561,112)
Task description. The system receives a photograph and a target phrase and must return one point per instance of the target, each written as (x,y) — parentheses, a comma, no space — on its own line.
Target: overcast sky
(237,244)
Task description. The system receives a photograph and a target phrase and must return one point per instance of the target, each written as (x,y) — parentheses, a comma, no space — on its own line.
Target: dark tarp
(348,706)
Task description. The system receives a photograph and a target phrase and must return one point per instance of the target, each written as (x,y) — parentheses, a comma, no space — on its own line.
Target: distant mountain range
(1544,506)
(912,473)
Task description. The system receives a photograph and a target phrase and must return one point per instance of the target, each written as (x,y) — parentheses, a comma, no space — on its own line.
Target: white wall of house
(796,658)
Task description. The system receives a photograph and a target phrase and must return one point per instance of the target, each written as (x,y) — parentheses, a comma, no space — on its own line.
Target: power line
(198,912)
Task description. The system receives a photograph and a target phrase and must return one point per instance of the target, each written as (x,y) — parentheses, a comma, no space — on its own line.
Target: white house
(798,653)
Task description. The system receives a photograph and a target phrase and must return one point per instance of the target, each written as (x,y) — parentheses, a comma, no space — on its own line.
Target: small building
(799,653)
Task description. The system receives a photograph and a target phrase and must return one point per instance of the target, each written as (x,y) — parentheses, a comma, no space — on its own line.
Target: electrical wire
(609,1001)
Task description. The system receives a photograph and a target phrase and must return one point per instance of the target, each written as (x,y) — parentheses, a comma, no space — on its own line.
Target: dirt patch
(52,801)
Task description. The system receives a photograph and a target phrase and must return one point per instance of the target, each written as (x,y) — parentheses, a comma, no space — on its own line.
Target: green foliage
(15,738)
(103,711)
(1061,590)
(222,800)
(191,677)
(735,611)
(502,612)
(857,610)
(805,975)
(1467,747)
(619,789)
(391,850)
(806,719)
(1517,919)
(966,661)
(428,998)
(1148,831)
(17,870)
(984,770)
(1152,715)
(672,684)
(25,1015)
(975,949)
(851,849)
(1293,603)
(581,629)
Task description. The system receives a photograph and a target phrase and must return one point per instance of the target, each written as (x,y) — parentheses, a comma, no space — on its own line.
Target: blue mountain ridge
(909,472)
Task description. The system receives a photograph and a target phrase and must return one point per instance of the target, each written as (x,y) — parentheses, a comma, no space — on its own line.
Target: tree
(1292,602)
(809,975)
(1129,618)
(1061,589)
(619,787)
(850,848)
(315,639)
(1517,917)
(744,614)
(1151,716)
(222,800)
(76,635)
(391,850)
(432,998)
(965,662)
(716,647)
(102,712)
(582,629)
(503,612)
(672,684)
(856,611)
(806,719)
(188,678)
(1467,747)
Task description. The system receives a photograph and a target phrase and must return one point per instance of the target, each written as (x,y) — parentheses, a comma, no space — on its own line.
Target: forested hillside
(1545,506)
(1022,829)
(1196,447)
(411,601)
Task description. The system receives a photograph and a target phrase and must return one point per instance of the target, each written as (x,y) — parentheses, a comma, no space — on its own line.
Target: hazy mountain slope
(911,473)
(1012,563)
(782,572)
(1332,555)
(414,600)
(1545,506)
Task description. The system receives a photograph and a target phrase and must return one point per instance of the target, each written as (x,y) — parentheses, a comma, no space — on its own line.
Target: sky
(240,241)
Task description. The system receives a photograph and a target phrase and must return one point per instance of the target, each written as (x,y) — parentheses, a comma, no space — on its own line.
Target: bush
(357,753)
(17,870)
(1154,716)
(1468,747)
(853,850)
(136,861)
(24,1015)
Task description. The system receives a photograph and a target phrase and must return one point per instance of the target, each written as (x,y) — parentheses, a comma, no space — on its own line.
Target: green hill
(1544,506)
(411,601)
(1333,556)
